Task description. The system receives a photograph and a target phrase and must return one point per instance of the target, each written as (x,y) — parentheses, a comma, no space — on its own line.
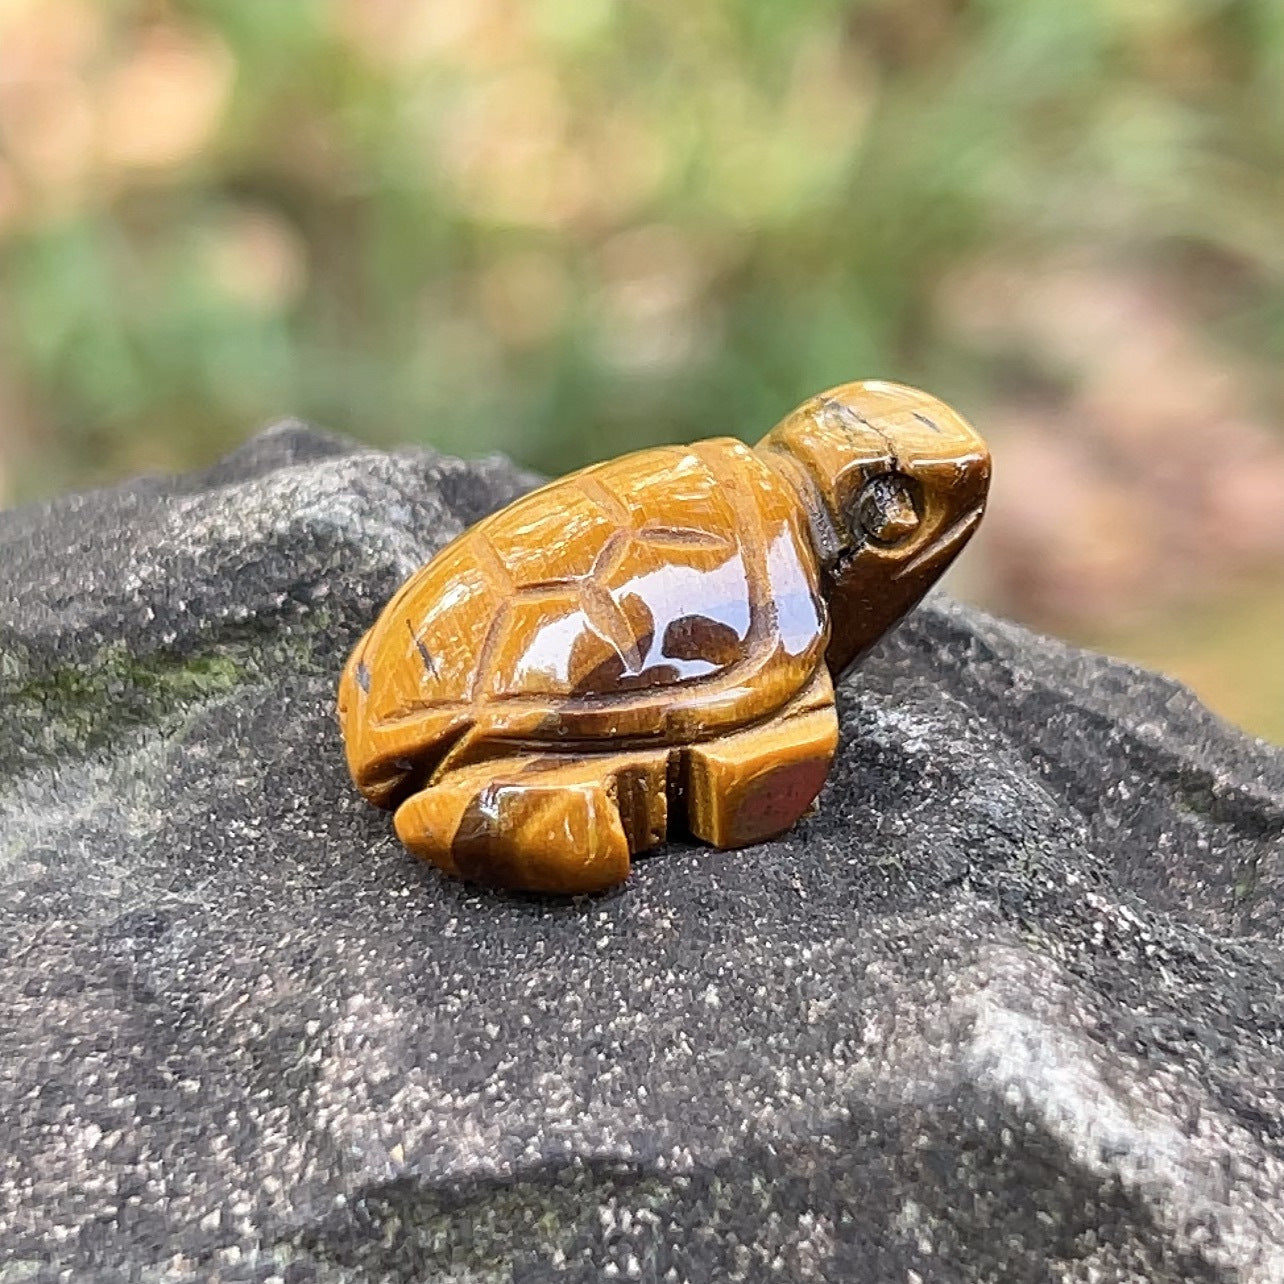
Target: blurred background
(567,228)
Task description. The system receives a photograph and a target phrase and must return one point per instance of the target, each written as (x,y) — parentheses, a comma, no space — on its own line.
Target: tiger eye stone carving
(650,645)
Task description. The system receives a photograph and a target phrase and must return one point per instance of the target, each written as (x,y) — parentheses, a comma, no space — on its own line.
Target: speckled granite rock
(1008,1008)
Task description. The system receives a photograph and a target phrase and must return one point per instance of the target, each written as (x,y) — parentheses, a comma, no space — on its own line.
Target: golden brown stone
(651,643)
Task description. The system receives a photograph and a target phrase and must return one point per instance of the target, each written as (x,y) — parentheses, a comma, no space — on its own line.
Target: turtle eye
(885,509)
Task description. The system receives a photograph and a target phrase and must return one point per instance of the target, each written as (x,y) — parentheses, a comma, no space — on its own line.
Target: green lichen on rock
(51,707)
(490,1232)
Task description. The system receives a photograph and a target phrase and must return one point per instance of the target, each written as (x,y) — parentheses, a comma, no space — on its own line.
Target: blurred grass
(565,228)
(1228,650)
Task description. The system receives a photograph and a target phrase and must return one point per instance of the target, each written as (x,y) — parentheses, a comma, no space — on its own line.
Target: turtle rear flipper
(543,823)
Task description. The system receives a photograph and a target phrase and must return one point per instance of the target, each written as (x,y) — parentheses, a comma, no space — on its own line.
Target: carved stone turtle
(651,643)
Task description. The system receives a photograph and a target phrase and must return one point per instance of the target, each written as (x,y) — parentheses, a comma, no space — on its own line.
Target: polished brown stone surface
(653,641)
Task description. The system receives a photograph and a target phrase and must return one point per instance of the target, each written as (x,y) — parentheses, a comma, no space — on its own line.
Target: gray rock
(1007,1008)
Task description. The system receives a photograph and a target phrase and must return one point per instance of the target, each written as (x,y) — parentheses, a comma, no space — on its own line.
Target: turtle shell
(661,598)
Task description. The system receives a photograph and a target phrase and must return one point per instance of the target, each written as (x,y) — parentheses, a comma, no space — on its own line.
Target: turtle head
(894,483)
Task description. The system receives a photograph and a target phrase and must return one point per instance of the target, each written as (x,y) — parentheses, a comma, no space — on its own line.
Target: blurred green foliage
(565,228)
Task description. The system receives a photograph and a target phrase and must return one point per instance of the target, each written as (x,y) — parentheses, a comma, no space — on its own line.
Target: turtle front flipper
(541,823)
(751,785)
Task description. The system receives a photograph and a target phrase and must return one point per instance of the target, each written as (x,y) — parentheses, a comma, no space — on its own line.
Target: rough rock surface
(1006,1008)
